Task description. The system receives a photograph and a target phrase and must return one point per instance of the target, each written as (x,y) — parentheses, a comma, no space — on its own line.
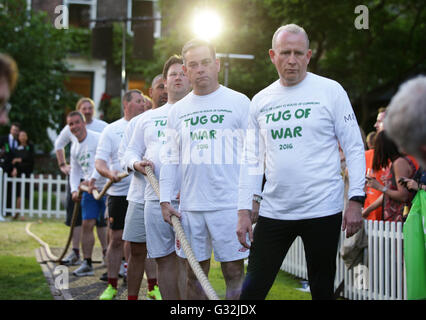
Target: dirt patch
(91,287)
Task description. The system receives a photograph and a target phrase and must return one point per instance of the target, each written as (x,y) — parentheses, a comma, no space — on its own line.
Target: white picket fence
(381,275)
(47,195)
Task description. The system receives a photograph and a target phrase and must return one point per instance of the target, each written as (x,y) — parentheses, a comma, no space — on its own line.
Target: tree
(369,63)
(40,98)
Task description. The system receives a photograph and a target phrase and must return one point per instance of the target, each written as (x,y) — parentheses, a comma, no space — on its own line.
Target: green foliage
(147,69)
(80,41)
(370,64)
(40,98)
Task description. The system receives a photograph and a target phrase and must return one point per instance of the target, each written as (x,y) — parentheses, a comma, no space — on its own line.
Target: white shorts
(160,236)
(207,230)
(134,224)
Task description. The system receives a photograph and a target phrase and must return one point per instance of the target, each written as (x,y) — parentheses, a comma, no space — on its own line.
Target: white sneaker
(2,219)
(84,270)
(72,259)
(123,270)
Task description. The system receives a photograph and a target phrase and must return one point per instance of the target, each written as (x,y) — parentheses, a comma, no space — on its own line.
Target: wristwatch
(257,198)
(360,199)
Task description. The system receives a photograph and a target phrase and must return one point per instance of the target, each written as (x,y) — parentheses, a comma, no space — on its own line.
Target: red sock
(132,297)
(151,283)
(113,282)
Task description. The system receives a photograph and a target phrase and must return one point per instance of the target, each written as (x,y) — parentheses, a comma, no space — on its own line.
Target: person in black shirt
(23,163)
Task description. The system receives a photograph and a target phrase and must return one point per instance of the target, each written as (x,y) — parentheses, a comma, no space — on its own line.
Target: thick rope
(97,196)
(73,221)
(50,255)
(198,271)
(81,189)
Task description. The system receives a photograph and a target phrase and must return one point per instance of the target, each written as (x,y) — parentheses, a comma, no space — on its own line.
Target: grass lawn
(21,276)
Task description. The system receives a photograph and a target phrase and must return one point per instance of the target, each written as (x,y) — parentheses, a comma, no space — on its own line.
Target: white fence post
(381,273)
(47,188)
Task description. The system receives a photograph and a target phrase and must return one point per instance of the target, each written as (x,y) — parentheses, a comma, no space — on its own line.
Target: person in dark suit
(23,163)
(7,146)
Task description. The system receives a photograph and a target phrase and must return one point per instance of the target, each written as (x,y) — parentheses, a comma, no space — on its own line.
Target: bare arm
(372,206)
(103,169)
(62,163)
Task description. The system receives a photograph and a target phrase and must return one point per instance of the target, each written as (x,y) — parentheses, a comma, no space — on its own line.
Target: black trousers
(271,241)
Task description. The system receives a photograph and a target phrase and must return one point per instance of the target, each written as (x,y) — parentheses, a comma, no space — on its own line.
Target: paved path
(79,288)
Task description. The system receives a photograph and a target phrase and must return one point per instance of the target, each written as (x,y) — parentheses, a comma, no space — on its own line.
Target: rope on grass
(97,195)
(198,271)
(49,253)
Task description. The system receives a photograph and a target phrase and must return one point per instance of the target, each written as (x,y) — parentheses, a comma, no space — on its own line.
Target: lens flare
(207,24)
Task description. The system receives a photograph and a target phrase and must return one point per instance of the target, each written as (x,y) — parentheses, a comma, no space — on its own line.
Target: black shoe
(104,277)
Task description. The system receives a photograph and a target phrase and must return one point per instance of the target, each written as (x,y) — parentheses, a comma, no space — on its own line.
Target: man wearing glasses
(8,79)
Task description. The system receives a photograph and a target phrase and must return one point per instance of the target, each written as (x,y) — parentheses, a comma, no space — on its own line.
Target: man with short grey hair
(294,129)
(405,121)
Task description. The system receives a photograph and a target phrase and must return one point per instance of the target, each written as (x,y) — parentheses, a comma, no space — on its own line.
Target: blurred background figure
(379,121)
(371,194)
(23,163)
(394,195)
(8,79)
(8,145)
(370,140)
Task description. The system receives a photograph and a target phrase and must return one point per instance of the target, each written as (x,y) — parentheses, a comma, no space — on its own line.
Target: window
(80,83)
(144,8)
(80,12)
(79,15)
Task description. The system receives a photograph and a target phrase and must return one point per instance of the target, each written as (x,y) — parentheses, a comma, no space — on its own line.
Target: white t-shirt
(137,183)
(65,136)
(298,128)
(205,136)
(147,142)
(108,151)
(83,162)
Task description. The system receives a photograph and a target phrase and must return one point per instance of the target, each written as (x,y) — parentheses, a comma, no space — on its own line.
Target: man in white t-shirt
(108,165)
(134,224)
(83,168)
(87,107)
(146,143)
(294,130)
(205,132)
